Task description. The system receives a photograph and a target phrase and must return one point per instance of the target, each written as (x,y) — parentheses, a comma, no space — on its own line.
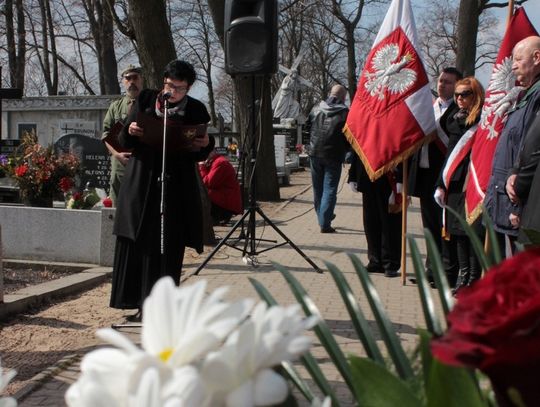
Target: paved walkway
(296,219)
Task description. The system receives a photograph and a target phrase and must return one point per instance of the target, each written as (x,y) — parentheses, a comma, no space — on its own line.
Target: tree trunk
(467,31)
(155,44)
(16,46)
(266,184)
(351,62)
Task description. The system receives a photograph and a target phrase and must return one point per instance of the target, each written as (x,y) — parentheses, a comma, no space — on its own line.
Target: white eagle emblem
(502,95)
(389,74)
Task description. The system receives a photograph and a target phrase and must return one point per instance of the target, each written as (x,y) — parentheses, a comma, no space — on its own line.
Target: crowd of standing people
(511,197)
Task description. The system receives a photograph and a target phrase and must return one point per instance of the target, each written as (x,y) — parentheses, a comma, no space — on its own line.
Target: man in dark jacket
(327,153)
(525,175)
(425,167)
(504,213)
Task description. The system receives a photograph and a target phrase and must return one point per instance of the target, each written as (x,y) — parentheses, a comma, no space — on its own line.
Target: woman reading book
(138,258)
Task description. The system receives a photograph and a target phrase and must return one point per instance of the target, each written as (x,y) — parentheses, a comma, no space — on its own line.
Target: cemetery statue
(284,104)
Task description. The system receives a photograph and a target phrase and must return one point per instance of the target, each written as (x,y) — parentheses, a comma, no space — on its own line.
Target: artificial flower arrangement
(38,171)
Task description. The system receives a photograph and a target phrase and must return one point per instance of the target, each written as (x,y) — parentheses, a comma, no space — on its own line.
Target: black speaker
(250,28)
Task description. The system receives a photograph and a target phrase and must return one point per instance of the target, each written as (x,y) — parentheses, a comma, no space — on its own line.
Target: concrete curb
(33,296)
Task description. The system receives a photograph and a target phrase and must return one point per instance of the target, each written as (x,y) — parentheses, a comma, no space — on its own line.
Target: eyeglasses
(464,94)
(132,77)
(179,89)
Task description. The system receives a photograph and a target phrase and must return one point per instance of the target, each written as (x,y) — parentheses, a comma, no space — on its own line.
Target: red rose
(495,325)
(21,170)
(66,184)
(107,202)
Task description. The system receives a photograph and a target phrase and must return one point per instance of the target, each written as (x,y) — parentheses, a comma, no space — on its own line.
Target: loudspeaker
(250,28)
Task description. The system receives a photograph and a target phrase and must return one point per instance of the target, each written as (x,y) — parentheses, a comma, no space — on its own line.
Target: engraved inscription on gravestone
(94,157)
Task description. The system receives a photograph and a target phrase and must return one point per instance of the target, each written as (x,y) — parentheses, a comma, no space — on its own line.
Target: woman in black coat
(138,262)
(469,96)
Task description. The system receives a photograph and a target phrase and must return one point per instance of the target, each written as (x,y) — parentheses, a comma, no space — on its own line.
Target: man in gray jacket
(328,146)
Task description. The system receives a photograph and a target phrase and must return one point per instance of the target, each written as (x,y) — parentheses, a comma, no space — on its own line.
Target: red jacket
(219,177)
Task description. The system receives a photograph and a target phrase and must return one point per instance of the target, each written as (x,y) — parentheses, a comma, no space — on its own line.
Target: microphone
(166,95)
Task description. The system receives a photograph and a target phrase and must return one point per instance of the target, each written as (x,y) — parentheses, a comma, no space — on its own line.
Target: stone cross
(7,93)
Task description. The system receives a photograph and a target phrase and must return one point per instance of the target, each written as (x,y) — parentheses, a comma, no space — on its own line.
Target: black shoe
(137,317)
(373,268)
(333,216)
(391,273)
(328,229)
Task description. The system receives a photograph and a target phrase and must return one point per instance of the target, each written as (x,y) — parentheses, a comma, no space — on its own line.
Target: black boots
(462,280)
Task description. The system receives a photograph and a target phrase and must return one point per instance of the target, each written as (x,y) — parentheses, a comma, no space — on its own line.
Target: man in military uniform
(118,110)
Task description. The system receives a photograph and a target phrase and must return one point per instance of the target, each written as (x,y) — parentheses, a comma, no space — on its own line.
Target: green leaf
(430,314)
(375,386)
(361,325)
(450,386)
(533,236)
(439,274)
(307,359)
(478,246)
(403,366)
(321,329)
(495,250)
(425,354)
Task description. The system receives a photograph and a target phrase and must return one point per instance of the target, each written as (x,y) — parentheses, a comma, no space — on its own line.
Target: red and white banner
(501,95)
(391,115)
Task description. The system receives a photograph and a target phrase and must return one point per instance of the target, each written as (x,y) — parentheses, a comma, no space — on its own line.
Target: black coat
(423,181)
(138,208)
(455,127)
(528,161)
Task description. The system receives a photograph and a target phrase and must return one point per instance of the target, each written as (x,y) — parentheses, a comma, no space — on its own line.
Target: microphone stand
(163,180)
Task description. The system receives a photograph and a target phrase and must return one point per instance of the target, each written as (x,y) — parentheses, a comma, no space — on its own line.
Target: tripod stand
(249,251)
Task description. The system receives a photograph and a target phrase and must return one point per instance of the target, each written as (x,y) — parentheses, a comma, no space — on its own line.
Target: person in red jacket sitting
(219,177)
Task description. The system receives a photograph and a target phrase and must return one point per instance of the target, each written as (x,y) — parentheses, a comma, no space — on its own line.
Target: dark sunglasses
(465,94)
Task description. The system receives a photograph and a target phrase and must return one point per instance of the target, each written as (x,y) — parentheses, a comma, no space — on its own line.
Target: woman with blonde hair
(469,96)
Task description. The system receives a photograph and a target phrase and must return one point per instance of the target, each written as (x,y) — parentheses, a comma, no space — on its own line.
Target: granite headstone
(94,158)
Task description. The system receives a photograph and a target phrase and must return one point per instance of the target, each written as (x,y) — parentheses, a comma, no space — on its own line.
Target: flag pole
(404,200)
(510,12)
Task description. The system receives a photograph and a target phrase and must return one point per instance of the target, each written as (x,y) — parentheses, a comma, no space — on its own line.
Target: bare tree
(201,44)
(467,31)
(16,43)
(152,33)
(101,25)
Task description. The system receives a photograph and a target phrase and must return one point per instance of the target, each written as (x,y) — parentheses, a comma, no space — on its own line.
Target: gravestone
(93,156)
(8,147)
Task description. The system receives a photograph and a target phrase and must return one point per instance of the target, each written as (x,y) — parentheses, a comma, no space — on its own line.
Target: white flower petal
(117,339)
(242,396)
(269,388)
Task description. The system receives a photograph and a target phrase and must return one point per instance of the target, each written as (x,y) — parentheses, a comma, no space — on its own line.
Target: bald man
(328,146)
(501,203)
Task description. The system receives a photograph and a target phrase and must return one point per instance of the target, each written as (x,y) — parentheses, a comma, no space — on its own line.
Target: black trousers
(383,229)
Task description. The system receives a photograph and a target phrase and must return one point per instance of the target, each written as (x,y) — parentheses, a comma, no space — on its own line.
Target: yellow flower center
(165,354)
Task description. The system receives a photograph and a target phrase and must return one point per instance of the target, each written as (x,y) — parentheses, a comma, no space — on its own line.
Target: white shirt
(439,107)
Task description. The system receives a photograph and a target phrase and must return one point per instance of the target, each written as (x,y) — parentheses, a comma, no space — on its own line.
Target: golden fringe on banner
(374,175)
(476,212)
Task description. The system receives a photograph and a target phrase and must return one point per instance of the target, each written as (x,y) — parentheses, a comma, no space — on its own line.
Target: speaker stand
(249,251)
